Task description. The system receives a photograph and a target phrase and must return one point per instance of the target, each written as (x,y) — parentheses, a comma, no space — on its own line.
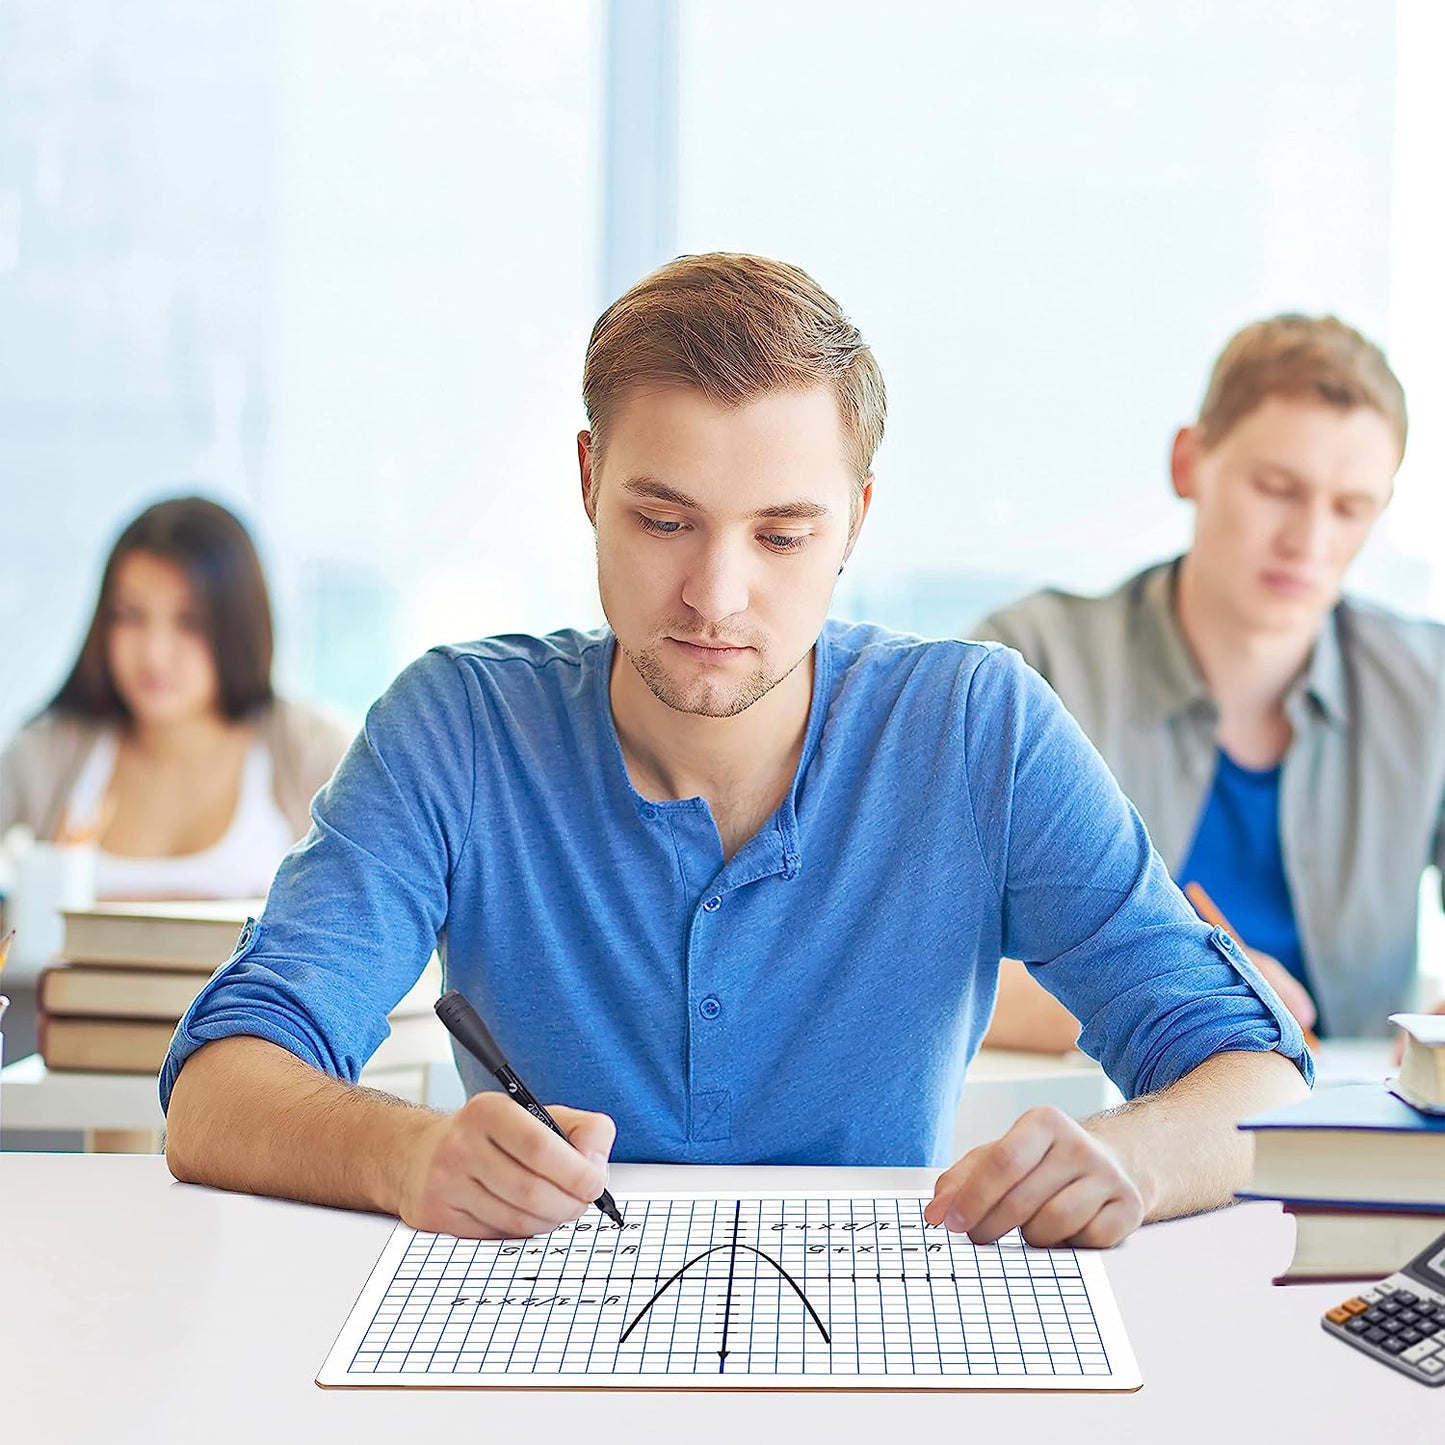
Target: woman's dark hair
(216,553)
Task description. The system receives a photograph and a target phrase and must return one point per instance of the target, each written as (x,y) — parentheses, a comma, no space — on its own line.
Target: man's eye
(784,541)
(661,525)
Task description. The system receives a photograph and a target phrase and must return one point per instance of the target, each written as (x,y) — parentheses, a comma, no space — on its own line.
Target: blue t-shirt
(1236,858)
(814,999)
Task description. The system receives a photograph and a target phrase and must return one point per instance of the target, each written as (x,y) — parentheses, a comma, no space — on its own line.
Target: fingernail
(955,1221)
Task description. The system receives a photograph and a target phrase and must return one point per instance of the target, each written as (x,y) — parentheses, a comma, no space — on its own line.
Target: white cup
(49,877)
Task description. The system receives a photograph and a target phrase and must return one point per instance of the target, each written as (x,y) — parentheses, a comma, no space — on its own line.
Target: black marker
(465,1025)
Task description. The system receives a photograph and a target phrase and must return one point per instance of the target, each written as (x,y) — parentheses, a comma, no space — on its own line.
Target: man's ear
(860,511)
(1183,460)
(584,467)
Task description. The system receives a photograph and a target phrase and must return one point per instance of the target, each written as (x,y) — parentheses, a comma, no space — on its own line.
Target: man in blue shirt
(726,878)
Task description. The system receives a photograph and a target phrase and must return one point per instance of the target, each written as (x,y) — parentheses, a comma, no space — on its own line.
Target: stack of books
(1361,1170)
(129,971)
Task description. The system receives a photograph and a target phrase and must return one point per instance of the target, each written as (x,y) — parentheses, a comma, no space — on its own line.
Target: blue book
(1351,1147)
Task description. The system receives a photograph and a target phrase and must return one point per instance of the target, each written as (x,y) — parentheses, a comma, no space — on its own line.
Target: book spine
(1346,1206)
(1290,1278)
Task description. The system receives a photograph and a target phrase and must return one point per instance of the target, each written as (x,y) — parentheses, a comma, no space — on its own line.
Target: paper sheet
(780,1291)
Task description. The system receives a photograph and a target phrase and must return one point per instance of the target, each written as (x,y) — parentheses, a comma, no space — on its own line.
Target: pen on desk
(1208,910)
(465,1025)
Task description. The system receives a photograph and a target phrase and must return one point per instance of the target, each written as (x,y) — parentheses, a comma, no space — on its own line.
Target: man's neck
(741,765)
(1249,672)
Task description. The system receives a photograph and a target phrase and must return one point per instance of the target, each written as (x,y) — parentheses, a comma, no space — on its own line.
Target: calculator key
(1411,1336)
(1404,1297)
(1375,1334)
(1389,1307)
(1371,1295)
(1394,1345)
(1356,1306)
(1408,1317)
(1391,1325)
(1431,1366)
(1338,1315)
(1419,1352)
(1358,1325)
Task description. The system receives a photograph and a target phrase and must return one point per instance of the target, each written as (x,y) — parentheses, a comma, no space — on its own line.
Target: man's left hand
(1048,1176)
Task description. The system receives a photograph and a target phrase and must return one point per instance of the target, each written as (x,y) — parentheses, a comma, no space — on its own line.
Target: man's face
(1284,500)
(720,532)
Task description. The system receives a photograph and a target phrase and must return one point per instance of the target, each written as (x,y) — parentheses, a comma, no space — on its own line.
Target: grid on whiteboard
(854,1287)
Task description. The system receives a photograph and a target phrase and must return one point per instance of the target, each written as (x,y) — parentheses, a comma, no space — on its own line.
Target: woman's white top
(240,864)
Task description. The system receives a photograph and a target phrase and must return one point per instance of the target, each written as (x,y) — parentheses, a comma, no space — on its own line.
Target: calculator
(1401,1320)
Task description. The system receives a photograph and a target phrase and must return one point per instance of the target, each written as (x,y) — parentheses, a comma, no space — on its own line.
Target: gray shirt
(1362,785)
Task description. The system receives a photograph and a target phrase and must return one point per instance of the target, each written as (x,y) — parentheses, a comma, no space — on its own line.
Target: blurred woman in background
(166,745)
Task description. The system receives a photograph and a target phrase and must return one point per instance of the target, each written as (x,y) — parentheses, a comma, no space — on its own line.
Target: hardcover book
(1349,1244)
(1421,1081)
(1356,1144)
(191,936)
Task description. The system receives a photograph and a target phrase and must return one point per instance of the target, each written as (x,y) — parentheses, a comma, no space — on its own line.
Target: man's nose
(717,585)
(1307,535)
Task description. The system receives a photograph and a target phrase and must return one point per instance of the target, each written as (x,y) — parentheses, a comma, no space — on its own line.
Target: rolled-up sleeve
(1089,906)
(358,906)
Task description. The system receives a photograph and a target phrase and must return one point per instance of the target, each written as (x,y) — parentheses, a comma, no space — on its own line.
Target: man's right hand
(492,1171)
(1292,993)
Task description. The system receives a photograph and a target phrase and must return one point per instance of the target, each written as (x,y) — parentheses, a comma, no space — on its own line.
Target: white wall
(337,262)
(1048,218)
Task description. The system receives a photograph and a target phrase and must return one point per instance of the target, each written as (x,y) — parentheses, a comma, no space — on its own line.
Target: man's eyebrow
(1357,494)
(1287,472)
(793,511)
(799,511)
(659,492)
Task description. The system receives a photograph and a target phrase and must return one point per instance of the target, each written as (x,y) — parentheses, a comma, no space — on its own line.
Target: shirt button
(710,1007)
(650,814)
(712,905)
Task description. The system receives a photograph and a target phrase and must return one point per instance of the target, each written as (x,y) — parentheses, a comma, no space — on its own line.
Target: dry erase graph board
(775,1291)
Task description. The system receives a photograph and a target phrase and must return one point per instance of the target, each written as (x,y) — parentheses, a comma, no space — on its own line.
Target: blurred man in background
(1283,743)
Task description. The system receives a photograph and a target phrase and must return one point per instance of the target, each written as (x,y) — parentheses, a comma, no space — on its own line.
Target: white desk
(120,1113)
(136,1309)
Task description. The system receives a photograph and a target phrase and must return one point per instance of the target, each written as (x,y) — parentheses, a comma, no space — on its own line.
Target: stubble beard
(701,697)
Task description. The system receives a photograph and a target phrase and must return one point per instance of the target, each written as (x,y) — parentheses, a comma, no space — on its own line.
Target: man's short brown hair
(734,327)
(1311,358)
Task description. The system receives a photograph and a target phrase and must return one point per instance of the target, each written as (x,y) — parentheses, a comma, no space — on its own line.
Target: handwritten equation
(796,1291)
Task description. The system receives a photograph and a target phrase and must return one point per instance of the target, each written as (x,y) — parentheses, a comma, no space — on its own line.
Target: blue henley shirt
(816,998)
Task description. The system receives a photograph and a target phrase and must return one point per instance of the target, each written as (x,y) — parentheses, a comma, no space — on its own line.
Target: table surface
(1001,1085)
(135,1308)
